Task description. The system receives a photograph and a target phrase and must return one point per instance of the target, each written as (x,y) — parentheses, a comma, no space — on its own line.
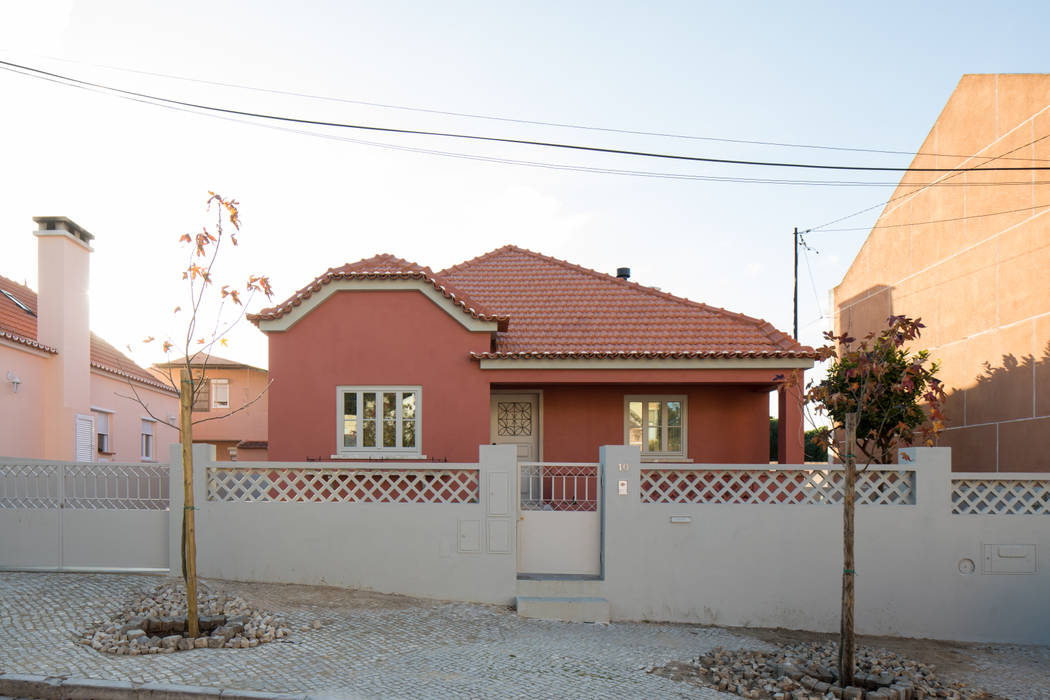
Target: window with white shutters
(85,439)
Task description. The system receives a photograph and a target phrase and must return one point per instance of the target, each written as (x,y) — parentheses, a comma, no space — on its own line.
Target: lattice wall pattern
(29,485)
(567,487)
(105,486)
(787,486)
(84,485)
(1001,496)
(342,485)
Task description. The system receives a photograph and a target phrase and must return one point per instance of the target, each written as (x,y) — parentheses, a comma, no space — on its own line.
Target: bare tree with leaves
(879,396)
(201,336)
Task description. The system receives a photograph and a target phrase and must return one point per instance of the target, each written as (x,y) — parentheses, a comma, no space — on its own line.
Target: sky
(136,175)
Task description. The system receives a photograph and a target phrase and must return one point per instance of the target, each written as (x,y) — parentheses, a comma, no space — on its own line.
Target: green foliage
(816,450)
(894,391)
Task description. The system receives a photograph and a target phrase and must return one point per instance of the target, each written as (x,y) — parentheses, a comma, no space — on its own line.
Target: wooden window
(656,424)
(378,420)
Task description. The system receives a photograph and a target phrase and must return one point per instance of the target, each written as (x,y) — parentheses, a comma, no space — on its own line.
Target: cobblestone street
(368,645)
(373,645)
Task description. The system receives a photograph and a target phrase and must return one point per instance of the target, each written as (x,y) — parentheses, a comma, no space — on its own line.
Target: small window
(220,393)
(147,439)
(656,424)
(102,433)
(379,420)
(202,398)
(16,302)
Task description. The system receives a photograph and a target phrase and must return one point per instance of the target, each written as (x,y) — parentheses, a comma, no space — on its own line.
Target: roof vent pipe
(623,273)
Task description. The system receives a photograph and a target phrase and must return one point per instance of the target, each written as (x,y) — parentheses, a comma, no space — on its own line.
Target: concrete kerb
(56,688)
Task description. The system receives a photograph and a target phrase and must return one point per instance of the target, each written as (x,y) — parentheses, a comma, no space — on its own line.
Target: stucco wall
(247,424)
(724,423)
(125,425)
(979,283)
(22,427)
(395,338)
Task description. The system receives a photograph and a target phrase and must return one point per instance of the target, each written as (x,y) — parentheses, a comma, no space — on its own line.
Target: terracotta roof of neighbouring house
(18,324)
(382,266)
(212,361)
(561,310)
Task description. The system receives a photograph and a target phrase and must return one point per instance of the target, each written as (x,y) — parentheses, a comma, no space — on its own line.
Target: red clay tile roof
(558,309)
(383,266)
(213,361)
(19,325)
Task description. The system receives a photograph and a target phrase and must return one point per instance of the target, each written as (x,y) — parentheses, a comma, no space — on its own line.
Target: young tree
(207,304)
(880,397)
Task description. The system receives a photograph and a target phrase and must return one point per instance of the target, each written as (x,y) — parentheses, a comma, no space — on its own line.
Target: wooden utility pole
(188,531)
(847,641)
(795,304)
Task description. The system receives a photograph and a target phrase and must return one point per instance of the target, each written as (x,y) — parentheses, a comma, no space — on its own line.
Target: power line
(935,221)
(507,161)
(532,122)
(909,194)
(495,139)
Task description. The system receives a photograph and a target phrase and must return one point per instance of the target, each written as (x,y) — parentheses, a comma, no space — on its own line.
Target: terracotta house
(969,255)
(233,388)
(63,389)
(387,359)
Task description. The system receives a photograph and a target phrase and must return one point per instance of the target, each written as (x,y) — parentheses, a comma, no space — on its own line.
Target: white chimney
(63,257)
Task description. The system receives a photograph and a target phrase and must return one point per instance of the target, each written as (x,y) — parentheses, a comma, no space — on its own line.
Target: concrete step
(559,588)
(564,608)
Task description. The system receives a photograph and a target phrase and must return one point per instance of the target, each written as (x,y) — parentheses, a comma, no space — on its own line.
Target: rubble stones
(155,622)
(807,671)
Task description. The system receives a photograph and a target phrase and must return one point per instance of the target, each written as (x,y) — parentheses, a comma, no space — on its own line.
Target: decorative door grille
(562,487)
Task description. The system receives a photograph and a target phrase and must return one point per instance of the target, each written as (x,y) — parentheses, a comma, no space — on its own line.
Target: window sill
(380,456)
(106,453)
(672,459)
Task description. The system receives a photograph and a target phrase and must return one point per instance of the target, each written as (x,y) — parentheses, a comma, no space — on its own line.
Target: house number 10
(625,467)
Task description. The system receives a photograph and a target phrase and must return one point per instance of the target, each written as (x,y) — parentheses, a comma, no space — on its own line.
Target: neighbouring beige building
(971,257)
(231,389)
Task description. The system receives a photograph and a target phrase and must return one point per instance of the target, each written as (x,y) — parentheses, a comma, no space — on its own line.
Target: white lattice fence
(552,486)
(107,486)
(768,486)
(29,485)
(84,485)
(342,485)
(1001,496)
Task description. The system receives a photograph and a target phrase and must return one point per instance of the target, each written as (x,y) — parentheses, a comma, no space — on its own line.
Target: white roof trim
(296,313)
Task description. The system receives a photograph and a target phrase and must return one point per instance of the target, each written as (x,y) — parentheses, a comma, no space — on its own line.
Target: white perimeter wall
(776,565)
(436,550)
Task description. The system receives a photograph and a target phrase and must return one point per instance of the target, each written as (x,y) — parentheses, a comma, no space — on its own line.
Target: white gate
(83,516)
(559,518)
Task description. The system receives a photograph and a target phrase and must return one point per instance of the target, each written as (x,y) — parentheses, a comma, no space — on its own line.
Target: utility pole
(796,284)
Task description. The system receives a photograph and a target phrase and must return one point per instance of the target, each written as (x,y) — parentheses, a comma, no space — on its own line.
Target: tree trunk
(847,641)
(188,529)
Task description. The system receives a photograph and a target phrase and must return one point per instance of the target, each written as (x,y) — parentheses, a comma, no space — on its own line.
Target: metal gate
(83,516)
(559,518)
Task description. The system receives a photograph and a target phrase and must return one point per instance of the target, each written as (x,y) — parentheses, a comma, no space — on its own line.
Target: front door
(515,420)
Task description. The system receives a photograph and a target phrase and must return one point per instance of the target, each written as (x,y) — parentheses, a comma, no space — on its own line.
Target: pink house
(232,389)
(387,359)
(62,388)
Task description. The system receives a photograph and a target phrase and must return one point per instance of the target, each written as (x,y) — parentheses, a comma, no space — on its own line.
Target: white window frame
(152,452)
(213,385)
(666,455)
(379,451)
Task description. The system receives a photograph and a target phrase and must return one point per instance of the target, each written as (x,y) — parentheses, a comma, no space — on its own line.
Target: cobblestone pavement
(374,645)
(367,646)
